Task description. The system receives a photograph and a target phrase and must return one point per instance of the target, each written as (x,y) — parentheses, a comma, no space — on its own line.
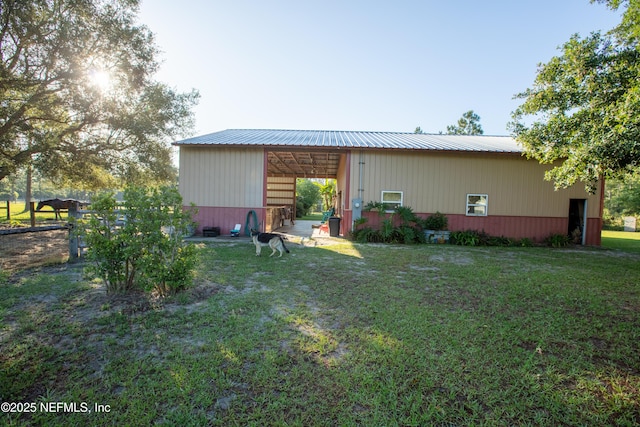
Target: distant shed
(479,182)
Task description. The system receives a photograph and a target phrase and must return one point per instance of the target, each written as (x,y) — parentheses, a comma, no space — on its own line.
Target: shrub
(499,241)
(437,221)
(465,238)
(111,250)
(379,207)
(481,238)
(366,235)
(141,245)
(558,240)
(409,230)
(406,214)
(526,243)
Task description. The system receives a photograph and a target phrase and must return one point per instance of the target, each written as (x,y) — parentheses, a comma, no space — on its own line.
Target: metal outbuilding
(480,182)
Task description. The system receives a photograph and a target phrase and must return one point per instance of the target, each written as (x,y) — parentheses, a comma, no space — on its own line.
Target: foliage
(112,250)
(79,100)
(402,226)
(372,206)
(406,214)
(466,238)
(525,242)
(437,221)
(481,238)
(360,221)
(139,245)
(582,113)
(558,240)
(623,195)
(468,124)
(307,196)
(366,235)
(328,193)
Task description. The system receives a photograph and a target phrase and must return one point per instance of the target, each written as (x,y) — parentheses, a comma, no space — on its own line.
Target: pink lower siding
(226,218)
(517,227)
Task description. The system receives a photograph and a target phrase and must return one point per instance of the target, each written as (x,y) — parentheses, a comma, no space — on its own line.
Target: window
(477,204)
(392,199)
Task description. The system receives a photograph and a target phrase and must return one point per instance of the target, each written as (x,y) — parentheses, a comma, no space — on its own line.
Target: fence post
(32,211)
(8,211)
(73,238)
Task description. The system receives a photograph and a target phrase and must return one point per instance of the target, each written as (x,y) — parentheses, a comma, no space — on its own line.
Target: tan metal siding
(440,182)
(221,177)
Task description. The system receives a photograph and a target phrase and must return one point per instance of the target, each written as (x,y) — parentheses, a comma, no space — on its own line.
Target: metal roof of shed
(328,139)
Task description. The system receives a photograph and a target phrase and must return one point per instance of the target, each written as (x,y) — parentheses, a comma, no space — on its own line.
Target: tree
(308,194)
(328,193)
(623,196)
(418,130)
(583,112)
(78,98)
(468,124)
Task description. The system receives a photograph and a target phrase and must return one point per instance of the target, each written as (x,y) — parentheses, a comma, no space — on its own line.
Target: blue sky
(360,65)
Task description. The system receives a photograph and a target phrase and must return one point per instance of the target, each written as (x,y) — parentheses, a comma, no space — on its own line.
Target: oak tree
(583,111)
(78,97)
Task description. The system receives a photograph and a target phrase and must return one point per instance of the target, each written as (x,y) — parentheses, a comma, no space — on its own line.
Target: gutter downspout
(356,204)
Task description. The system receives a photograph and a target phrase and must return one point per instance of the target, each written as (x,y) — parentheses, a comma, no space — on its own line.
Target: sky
(360,65)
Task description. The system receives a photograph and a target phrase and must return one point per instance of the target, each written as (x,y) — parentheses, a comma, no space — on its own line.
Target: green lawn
(313,216)
(19,216)
(623,240)
(341,334)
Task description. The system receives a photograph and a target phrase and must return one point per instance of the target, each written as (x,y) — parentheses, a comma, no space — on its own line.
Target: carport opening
(284,168)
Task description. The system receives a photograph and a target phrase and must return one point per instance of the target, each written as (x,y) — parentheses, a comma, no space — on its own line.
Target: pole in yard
(73,238)
(32,211)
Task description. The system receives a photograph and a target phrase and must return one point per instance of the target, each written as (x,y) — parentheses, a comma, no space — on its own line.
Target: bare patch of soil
(27,250)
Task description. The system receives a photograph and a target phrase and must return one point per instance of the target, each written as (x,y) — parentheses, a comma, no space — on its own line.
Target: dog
(273,240)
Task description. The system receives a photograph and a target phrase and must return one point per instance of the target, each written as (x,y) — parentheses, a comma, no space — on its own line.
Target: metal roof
(329,139)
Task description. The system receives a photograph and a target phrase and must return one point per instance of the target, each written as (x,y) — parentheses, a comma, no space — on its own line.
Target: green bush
(481,238)
(140,245)
(366,235)
(558,240)
(464,238)
(437,221)
(526,242)
(307,196)
(402,226)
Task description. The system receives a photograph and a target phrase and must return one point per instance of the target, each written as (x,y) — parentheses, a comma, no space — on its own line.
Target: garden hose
(247,229)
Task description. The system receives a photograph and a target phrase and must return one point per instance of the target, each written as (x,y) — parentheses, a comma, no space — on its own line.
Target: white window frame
(485,205)
(382,198)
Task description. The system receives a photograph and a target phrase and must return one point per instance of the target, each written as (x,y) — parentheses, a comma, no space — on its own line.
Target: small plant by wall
(400,226)
(481,238)
(558,240)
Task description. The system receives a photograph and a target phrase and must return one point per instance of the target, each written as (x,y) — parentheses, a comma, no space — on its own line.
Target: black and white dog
(273,240)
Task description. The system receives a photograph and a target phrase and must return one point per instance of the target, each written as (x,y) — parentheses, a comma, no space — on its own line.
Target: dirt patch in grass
(26,250)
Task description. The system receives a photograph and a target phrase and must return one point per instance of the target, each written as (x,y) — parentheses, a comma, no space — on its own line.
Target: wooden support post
(8,211)
(32,211)
(73,236)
